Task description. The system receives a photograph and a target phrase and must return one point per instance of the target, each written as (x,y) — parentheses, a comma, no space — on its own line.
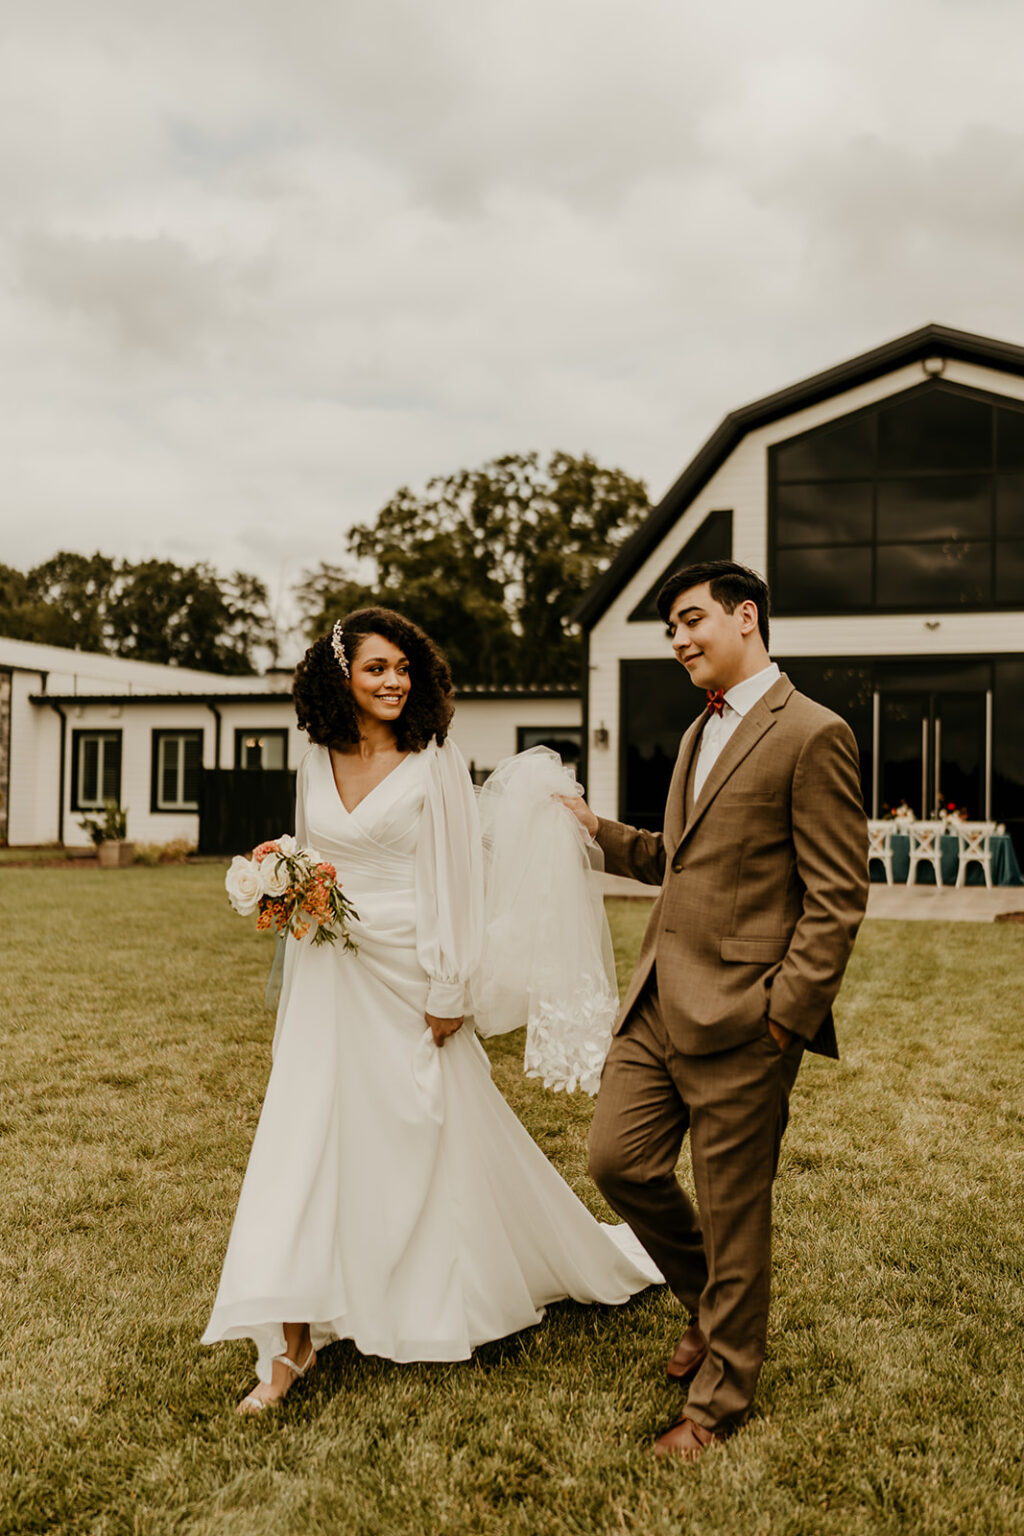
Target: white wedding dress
(392,1197)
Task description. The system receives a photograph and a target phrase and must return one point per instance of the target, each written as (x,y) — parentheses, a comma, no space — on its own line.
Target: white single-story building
(884,501)
(77,729)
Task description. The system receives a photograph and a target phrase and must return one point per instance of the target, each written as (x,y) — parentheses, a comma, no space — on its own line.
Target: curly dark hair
(323,700)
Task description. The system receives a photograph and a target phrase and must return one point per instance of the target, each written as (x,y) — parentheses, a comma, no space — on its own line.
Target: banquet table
(1005,868)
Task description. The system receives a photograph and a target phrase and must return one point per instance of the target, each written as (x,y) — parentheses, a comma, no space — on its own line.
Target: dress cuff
(446,999)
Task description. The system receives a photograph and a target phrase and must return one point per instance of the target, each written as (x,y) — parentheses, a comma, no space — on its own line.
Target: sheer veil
(547,958)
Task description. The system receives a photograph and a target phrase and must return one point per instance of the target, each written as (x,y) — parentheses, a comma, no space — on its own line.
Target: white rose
(242,883)
(273,875)
(287,844)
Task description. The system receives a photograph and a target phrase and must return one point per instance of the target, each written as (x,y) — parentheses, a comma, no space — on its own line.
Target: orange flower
(259,853)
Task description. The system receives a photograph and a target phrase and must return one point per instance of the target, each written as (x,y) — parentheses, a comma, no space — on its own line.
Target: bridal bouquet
(292,890)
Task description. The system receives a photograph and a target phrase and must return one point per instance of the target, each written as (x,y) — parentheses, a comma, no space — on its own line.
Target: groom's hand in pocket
(782,1037)
(442,1028)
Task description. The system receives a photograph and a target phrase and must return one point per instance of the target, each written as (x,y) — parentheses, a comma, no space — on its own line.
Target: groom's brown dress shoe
(687,1440)
(689,1355)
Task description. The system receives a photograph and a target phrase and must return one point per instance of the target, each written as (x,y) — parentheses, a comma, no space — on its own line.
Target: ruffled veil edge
(546,960)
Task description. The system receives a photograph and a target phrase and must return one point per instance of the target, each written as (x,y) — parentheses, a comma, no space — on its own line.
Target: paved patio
(918,903)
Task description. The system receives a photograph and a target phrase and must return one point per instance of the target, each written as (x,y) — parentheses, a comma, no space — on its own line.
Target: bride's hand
(581,810)
(442,1028)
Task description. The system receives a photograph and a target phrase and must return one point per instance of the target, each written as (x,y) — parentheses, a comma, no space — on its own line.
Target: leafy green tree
(25,616)
(153,610)
(77,591)
(491,562)
(185,616)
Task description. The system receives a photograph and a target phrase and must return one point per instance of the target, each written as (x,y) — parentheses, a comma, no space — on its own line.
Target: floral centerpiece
(292,890)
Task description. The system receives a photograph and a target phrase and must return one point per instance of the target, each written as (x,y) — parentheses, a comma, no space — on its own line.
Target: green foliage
(112,827)
(136,1052)
(491,562)
(152,610)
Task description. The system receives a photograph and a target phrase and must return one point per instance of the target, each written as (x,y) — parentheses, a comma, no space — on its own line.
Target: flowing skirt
(392,1197)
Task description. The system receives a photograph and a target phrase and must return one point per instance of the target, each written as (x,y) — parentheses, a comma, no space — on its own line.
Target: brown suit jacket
(763,888)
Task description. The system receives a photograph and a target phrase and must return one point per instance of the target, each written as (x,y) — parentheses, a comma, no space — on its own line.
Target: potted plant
(108,833)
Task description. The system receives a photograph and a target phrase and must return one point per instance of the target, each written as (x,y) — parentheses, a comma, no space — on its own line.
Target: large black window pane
(1010,571)
(832,453)
(658,703)
(950,575)
(836,512)
(1009,439)
(711,541)
(935,507)
(1010,507)
(935,429)
(822,580)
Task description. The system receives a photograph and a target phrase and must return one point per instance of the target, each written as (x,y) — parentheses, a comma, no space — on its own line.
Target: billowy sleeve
(449,883)
(285,955)
(301,828)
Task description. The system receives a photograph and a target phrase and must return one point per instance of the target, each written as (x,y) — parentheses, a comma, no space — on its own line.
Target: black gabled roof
(929,341)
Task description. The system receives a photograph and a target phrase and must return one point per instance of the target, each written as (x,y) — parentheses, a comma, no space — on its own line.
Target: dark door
(932,751)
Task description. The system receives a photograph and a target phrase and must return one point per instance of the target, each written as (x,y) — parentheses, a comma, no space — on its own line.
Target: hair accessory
(338,647)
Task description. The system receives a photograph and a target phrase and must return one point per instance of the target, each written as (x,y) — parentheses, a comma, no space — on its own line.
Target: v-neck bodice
(374,845)
(373,788)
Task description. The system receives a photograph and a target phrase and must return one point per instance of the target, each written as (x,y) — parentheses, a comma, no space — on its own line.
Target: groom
(763,875)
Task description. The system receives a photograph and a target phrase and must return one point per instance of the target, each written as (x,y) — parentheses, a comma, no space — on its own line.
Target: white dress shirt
(739,701)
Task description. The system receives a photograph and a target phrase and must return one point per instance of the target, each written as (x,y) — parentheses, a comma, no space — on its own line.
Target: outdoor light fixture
(601,736)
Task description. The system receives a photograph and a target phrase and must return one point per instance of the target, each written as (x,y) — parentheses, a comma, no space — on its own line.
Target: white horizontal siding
(485,730)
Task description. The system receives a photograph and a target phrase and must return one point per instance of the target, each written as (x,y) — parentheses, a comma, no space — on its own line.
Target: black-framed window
(566,740)
(261,748)
(95,769)
(177,762)
(911,505)
(711,541)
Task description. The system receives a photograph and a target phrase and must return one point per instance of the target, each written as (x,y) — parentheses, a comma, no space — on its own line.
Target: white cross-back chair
(925,848)
(880,845)
(975,840)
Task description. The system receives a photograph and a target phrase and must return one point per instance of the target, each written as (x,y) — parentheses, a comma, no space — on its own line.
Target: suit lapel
(675,805)
(754,725)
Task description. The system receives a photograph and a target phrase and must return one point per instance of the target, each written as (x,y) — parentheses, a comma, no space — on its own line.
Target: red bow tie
(716,701)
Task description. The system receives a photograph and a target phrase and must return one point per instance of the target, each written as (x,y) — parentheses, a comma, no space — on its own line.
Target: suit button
(677,869)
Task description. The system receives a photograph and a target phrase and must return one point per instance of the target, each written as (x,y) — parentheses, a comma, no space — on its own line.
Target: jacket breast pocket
(750,797)
(754,951)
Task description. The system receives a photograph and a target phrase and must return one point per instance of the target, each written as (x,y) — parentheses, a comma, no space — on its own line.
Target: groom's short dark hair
(730,584)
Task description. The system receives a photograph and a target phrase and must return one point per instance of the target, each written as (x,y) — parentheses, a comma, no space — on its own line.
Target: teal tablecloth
(1005,869)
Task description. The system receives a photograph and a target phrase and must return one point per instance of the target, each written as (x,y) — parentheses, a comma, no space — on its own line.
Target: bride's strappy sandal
(254,1404)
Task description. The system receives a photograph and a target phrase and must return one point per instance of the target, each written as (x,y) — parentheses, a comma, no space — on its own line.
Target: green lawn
(135,1051)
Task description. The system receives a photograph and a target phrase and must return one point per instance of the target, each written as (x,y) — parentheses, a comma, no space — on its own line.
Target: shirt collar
(745,695)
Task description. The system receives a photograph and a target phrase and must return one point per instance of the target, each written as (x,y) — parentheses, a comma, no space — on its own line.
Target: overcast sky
(264,261)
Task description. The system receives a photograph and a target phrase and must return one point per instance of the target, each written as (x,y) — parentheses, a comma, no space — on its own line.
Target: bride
(392,1197)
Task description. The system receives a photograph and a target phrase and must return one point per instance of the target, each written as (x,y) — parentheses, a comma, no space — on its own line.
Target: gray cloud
(263,263)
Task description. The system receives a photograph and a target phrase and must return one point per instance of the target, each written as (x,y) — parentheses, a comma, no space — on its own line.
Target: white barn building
(77,729)
(884,501)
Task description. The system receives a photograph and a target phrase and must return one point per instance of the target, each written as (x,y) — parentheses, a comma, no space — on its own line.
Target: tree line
(490,561)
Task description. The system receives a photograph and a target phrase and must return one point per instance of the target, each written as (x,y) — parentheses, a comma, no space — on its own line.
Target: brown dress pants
(735,1105)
